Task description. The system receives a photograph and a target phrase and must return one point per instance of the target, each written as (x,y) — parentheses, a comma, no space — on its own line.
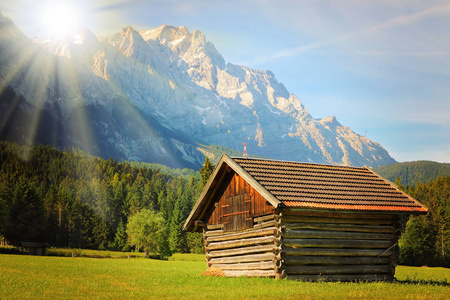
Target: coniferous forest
(410,173)
(71,199)
(425,239)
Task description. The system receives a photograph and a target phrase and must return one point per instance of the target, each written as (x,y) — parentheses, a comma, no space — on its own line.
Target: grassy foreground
(23,276)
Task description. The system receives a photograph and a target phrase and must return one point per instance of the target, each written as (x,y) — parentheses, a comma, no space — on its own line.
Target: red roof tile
(328,187)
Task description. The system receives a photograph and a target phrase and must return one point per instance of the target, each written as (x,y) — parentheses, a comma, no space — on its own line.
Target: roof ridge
(296,162)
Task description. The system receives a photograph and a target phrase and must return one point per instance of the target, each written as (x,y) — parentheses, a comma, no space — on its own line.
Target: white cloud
(379,34)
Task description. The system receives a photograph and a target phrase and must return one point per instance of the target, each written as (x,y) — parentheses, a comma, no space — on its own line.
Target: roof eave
(190,220)
(253,182)
(425,209)
(340,209)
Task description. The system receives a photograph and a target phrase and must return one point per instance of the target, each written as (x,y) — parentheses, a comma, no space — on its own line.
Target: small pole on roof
(245,151)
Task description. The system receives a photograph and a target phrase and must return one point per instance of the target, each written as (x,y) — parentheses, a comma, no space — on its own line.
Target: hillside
(410,173)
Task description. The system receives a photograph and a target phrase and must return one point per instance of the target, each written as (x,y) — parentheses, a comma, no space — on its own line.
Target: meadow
(23,276)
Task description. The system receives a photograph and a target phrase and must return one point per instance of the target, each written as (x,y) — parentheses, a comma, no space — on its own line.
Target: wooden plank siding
(237,204)
(303,245)
(336,246)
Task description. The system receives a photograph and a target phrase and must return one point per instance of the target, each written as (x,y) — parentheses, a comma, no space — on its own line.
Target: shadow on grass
(67,252)
(415,281)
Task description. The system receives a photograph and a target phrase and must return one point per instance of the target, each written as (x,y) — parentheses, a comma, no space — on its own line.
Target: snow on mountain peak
(165,33)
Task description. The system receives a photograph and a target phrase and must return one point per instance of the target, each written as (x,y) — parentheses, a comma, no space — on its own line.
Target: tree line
(71,199)
(409,173)
(426,238)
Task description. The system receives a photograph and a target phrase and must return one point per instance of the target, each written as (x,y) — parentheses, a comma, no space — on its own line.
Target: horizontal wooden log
(214,226)
(301,219)
(337,270)
(244,250)
(212,232)
(242,243)
(265,218)
(317,234)
(350,277)
(336,252)
(271,231)
(266,265)
(349,215)
(335,260)
(266,224)
(242,259)
(250,273)
(341,227)
(272,223)
(336,243)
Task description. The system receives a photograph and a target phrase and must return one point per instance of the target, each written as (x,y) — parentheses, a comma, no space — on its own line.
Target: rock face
(154,95)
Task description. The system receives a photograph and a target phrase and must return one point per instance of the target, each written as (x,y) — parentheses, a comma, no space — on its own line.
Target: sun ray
(60,18)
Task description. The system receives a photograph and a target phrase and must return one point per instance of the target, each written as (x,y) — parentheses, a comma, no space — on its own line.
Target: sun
(60,18)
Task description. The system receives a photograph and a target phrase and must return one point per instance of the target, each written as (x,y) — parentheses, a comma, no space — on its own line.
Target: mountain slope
(410,173)
(155,95)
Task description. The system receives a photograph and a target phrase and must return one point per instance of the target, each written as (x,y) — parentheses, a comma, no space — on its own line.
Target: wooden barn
(299,220)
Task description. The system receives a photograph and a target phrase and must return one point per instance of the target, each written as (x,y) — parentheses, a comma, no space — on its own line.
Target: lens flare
(60,18)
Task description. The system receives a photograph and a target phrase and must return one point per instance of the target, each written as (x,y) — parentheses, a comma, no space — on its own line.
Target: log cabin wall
(248,252)
(237,204)
(338,246)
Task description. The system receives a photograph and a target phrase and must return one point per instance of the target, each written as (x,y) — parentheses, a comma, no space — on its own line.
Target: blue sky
(381,67)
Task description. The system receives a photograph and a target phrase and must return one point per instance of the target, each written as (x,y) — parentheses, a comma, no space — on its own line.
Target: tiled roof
(306,185)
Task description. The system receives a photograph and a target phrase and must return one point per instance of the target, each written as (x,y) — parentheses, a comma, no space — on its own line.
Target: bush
(11,250)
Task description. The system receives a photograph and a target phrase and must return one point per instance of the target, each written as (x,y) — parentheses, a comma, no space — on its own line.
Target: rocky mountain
(157,96)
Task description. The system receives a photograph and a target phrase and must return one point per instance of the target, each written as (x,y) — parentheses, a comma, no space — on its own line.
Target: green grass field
(23,276)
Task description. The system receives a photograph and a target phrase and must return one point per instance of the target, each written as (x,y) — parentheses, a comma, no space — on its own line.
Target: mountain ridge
(176,81)
(410,173)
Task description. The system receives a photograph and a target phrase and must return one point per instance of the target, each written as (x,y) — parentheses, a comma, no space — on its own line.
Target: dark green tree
(195,242)
(27,216)
(5,199)
(120,239)
(206,171)
(426,239)
(417,243)
(177,237)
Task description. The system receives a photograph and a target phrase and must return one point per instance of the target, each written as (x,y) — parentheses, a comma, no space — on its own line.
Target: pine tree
(27,216)
(135,195)
(120,239)
(206,171)
(195,242)
(177,237)
(417,243)
(5,199)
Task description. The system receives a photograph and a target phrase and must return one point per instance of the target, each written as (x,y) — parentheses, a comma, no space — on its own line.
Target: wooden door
(237,206)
